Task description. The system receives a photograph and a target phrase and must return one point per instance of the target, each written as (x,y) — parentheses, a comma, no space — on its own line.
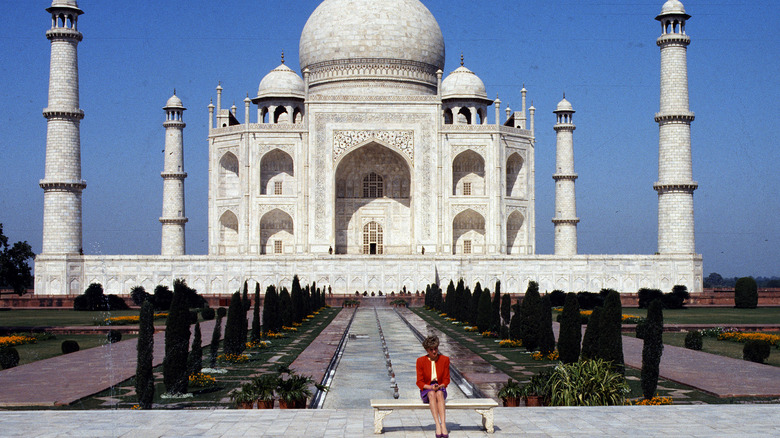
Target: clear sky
(601,53)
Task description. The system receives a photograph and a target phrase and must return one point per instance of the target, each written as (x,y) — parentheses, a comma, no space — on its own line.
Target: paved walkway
(617,421)
(63,379)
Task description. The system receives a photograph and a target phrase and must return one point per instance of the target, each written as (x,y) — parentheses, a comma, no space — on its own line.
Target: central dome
(373,40)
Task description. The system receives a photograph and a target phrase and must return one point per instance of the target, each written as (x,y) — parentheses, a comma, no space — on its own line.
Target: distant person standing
(433,376)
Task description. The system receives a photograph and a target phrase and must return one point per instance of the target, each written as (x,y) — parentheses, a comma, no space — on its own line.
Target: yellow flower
(14,340)
(655,401)
(509,343)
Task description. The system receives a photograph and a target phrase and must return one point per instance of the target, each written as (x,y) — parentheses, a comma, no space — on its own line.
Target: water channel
(362,373)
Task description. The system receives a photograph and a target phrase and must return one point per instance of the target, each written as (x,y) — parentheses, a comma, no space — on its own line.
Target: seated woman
(433,376)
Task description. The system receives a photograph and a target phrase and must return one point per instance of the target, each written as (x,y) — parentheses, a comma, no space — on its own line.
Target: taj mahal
(371,169)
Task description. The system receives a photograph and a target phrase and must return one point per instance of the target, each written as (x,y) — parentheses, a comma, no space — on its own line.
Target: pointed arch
(276,233)
(515,233)
(468,233)
(373,238)
(281,115)
(277,173)
(515,176)
(448,116)
(228,233)
(468,174)
(464,116)
(228,180)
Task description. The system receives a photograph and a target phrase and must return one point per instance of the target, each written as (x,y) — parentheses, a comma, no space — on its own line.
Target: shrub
(590,300)
(495,307)
(652,349)
(504,332)
(222,312)
(693,340)
(756,350)
(69,346)
(647,296)
(208,314)
(557,298)
(94,299)
(144,376)
(610,338)
(587,383)
(546,335)
(162,297)
(234,344)
(484,311)
(641,329)
(256,315)
(746,293)
(530,309)
(215,337)
(195,358)
(590,342)
(114,336)
(138,294)
(506,308)
(9,358)
(177,339)
(571,330)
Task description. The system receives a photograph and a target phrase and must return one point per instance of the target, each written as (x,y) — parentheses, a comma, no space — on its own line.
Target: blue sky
(601,53)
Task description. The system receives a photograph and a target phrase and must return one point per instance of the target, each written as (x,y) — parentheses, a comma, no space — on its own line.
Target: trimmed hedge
(114,336)
(756,350)
(69,346)
(693,340)
(9,358)
(746,293)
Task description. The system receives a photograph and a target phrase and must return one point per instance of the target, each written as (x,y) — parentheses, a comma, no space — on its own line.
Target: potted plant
(293,391)
(510,393)
(537,391)
(245,396)
(264,388)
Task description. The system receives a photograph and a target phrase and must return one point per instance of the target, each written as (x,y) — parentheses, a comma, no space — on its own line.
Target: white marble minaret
(675,184)
(173,174)
(565,219)
(62,184)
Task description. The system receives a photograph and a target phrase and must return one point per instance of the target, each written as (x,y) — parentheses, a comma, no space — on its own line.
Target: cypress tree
(449,300)
(460,292)
(495,320)
(530,310)
(285,306)
(506,308)
(296,296)
(269,309)
(515,333)
(590,342)
(571,330)
(652,349)
(195,359)
(245,298)
(256,315)
(474,304)
(484,312)
(546,335)
(177,339)
(746,293)
(144,376)
(234,344)
(215,337)
(610,338)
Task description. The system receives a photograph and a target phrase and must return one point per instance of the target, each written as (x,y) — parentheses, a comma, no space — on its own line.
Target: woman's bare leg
(433,402)
(441,411)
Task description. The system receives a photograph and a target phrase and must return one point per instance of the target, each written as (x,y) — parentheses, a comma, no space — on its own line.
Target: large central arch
(373,184)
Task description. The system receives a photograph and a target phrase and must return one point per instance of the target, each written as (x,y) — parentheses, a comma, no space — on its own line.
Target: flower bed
(489,334)
(127,320)
(471,328)
(258,344)
(655,401)
(744,337)
(233,358)
(509,343)
(200,380)
(537,355)
(15,339)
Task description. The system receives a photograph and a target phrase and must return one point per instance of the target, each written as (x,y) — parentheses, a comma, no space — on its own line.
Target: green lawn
(53,347)
(723,348)
(511,358)
(715,315)
(56,317)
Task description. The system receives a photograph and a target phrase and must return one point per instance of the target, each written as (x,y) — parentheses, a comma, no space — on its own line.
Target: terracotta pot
(295,404)
(265,404)
(511,402)
(245,405)
(533,400)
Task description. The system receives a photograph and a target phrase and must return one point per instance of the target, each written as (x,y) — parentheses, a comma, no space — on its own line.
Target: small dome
(673,7)
(70,4)
(174,102)
(564,105)
(463,83)
(281,82)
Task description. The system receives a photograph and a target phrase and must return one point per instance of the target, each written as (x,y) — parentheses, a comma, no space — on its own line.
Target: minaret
(675,184)
(173,218)
(565,219)
(62,184)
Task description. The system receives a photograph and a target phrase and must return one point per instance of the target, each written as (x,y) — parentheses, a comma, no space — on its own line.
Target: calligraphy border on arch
(346,140)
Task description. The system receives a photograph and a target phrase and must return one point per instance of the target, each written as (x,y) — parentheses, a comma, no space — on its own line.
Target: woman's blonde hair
(431,342)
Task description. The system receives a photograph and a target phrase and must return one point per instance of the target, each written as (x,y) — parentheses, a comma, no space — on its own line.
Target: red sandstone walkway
(61,380)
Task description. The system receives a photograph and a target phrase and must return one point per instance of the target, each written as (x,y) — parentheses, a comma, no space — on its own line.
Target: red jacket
(424,371)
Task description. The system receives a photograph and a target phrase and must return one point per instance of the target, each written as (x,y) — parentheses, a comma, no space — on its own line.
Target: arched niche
(515,177)
(276,233)
(228,233)
(373,183)
(515,233)
(468,174)
(277,173)
(464,116)
(468,233)
(229,184)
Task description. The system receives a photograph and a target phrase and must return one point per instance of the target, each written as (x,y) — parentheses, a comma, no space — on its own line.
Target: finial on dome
(282,56)
(174,91)
(461,59)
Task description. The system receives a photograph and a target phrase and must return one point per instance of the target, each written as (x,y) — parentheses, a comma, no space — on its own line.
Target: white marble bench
(483,406)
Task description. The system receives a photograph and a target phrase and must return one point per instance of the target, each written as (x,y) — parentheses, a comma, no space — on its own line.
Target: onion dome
(68,4)
(564,106)
(463,84)
(673,7)
(174,102)
(281,82)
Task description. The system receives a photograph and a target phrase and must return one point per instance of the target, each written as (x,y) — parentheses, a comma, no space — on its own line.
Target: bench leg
(379,416)
(487,419)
